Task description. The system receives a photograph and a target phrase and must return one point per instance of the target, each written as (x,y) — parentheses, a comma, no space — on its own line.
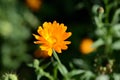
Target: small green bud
(10,77)
(36,63)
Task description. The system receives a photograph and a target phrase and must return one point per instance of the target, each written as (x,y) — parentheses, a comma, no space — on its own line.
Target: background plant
(94,19)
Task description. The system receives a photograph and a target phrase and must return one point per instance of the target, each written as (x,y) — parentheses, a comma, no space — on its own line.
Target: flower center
(51,39)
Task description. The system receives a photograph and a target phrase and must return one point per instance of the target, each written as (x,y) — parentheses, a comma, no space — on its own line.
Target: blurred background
(19,19)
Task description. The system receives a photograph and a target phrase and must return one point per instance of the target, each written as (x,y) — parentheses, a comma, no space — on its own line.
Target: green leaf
(62,69)
(30,65)
(116,30)
(102,31)
(103,77)
(87,76)
(80,63)
(75,72)
(116,45)
(116,17)
(98,43)
(116,76)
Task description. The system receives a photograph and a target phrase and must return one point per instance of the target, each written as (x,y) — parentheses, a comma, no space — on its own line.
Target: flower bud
(100,10)
(10,77)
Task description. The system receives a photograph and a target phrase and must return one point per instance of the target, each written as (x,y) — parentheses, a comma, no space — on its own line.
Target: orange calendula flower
(34,4)
(52,36)
(86,46)
(41,53)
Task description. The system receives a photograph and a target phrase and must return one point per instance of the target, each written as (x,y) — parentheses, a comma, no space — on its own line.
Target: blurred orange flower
(86,46)
(52,36)
(41,54)
(34,4)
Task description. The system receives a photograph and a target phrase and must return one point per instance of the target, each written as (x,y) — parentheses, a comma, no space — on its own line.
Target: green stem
(63,70)
(56,57)
(106,1)
(38,77)
(55,73)
(100,17)
(106,19)
(107,8)
(48,76)
(108,44)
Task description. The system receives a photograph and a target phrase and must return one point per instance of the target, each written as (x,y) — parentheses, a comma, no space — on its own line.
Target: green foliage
(14,32)
(10,77)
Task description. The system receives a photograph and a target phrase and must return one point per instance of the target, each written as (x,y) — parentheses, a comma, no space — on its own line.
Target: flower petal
(66,35)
